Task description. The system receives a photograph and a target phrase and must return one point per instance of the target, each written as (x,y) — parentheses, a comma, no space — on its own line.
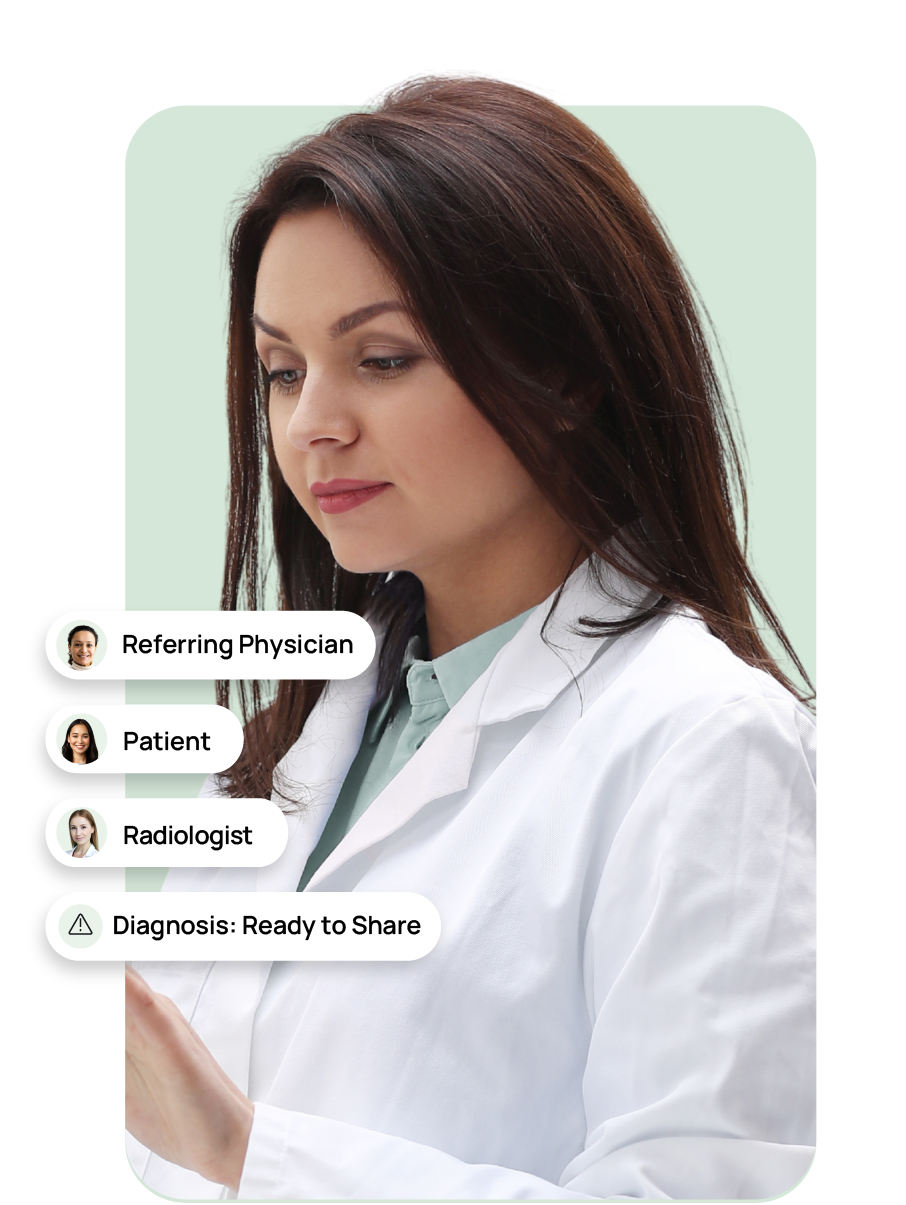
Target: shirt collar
(458,669)
(535,665)
(452,673)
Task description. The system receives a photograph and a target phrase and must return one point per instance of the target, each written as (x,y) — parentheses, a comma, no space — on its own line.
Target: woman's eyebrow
(342,326)
(274,331)
(350,321)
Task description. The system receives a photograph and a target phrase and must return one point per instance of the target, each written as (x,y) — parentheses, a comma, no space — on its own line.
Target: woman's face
(82,648)
(80,830)
(382,449)
(79,740)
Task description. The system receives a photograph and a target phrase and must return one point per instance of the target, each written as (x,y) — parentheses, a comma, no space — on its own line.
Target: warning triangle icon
(80,927)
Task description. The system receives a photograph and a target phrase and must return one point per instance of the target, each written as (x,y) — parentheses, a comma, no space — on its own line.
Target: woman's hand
(178,1101)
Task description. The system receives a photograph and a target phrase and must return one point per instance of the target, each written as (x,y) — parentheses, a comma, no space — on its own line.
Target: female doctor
(472,365)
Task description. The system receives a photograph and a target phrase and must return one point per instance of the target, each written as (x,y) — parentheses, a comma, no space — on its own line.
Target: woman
(83,834)
(477,376)
(83,644)
(79,745)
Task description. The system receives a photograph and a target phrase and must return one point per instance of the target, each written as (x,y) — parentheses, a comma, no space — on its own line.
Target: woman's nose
(323,415)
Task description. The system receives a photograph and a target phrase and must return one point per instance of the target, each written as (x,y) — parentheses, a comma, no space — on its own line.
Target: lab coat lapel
(441,767)
(551,651)
(527,675)
(317,764)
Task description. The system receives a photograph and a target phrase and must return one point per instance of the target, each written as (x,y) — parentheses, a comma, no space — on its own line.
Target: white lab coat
(89,853)
(617,834)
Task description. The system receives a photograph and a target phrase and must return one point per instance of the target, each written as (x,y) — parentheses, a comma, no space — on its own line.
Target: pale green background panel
(792,254)
(788,221)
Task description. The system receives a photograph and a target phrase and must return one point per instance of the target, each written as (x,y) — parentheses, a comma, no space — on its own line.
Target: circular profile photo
(81,833)
(81,646)
(82,739)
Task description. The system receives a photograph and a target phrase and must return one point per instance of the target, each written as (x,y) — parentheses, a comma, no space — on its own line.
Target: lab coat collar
(551,650)
(526,675)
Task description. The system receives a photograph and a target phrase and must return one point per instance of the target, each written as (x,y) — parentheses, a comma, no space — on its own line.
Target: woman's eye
(286,380)
(291,380)
(387,366)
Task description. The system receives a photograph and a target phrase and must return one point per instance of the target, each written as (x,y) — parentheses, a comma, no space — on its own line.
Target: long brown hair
(545,286)
(91,754)
(94,833)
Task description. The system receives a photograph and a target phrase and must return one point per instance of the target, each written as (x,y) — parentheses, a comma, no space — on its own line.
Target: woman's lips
(342,494)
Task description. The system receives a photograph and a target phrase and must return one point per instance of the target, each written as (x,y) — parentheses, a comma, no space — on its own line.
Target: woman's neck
(462,601)
(80,759)
(81,850)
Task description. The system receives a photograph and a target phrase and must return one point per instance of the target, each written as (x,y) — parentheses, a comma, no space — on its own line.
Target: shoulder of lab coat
(697,949)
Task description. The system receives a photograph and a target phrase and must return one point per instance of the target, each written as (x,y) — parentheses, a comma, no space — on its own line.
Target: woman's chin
(366,559)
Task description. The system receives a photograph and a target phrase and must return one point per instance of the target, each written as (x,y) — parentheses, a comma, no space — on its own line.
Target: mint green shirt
(432,688)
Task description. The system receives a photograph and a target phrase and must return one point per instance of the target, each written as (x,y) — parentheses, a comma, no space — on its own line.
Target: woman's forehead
(316,264)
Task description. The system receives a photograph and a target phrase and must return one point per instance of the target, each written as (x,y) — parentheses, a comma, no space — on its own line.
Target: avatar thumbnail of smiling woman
(81,743)
(83,838)
(82,647)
